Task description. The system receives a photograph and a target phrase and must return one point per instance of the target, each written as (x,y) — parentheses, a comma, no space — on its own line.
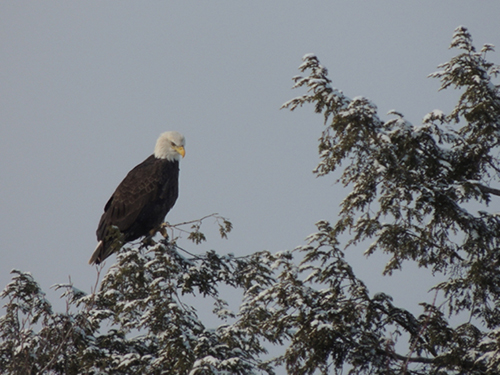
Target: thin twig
(194,221)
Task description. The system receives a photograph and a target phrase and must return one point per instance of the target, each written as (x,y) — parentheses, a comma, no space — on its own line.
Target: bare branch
(487,190)
(413,359)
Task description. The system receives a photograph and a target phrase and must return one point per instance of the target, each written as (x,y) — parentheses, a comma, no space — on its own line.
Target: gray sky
(87,87)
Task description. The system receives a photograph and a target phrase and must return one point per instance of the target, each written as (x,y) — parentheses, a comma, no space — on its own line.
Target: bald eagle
(142,200)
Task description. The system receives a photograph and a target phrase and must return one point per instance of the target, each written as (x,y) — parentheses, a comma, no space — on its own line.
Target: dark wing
(137,189)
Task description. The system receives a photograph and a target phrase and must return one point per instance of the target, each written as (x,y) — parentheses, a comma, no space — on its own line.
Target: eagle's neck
(166,154)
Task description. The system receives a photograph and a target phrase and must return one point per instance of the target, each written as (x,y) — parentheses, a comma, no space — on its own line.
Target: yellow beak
(180,150)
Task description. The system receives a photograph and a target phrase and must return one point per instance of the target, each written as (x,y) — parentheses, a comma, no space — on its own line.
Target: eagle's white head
(170,146)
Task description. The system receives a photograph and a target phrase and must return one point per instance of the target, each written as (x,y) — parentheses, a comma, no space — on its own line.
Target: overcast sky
(86,88)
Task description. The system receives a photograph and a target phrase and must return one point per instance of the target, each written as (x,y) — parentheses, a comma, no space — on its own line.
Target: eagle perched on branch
(142,200)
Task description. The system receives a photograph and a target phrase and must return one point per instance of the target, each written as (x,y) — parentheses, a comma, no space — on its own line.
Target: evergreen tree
(411,193)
